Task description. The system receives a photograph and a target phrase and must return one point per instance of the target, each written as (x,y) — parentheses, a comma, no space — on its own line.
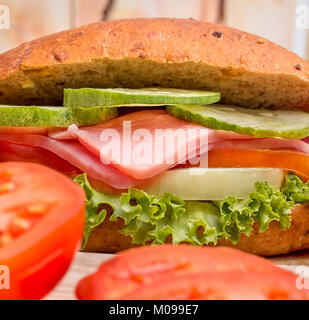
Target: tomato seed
(6,174)
(21,223)
(5,239)
(37,208)
(6,187)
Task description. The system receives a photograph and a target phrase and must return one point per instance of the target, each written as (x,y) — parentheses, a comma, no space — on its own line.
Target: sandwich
(178,131)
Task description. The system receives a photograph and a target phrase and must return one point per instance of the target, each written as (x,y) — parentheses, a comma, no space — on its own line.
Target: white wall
(30,19)
(271,19)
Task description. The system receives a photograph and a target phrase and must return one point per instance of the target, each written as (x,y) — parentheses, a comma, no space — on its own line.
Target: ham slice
(87,147)
(78,156)
(19,152)
(145,158)
(263,143)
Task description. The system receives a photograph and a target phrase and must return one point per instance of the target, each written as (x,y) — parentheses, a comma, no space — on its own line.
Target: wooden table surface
(87,263)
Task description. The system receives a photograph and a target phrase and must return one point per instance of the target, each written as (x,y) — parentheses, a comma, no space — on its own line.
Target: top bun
(181,53)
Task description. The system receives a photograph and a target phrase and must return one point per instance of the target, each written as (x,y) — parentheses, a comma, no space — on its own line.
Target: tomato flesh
(230,285)
(41,225)
(257,158)
(246,158)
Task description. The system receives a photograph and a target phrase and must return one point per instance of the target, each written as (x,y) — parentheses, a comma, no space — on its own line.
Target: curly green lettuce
(153,219)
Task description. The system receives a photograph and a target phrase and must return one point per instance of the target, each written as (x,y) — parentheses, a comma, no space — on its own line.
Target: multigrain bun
(106,238)
(247,70)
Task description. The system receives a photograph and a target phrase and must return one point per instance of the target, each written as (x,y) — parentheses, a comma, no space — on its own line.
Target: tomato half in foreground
(179,272)
(41,225)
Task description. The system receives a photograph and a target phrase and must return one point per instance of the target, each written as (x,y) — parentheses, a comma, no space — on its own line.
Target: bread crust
(106,238)
(247,70)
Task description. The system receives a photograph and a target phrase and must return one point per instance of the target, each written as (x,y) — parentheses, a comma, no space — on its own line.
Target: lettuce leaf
(295,190)
(154,219)
(265,205)
(95,206)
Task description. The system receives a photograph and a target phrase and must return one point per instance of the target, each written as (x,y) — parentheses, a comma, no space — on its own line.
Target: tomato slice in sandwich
(289,160)
(142,268)
(41,224)
(251,158)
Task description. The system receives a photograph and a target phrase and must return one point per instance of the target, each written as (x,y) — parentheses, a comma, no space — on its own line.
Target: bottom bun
(106,238)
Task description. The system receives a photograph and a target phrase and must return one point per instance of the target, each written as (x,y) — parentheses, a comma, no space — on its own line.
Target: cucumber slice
(260,123)
(213,183)
(33,116)
(88,97)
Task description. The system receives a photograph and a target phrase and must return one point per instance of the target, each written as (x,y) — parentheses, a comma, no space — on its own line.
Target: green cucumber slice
(88,97)
(33,116)
(260,123)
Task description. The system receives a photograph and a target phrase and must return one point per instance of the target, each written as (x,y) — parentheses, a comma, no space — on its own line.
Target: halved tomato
(135,268)
(18,152)
(41,225)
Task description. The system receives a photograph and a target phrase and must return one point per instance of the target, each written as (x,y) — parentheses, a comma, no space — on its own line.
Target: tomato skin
(133,269)
(18,152)
(38,258)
